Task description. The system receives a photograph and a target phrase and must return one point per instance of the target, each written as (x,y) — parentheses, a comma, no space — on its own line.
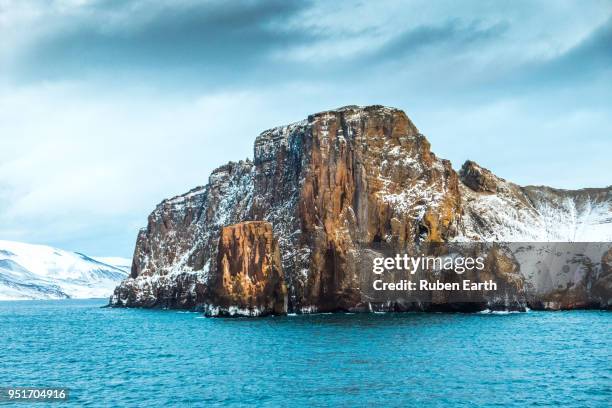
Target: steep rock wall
(250,279)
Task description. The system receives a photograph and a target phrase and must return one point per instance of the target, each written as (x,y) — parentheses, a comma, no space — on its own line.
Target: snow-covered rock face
(41,272)
(497,210)
(174,254)
(330,185)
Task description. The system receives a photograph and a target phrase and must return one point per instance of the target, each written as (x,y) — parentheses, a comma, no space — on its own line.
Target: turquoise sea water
(119,357)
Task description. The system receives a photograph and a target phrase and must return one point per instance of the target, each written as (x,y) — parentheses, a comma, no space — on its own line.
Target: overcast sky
(108,107)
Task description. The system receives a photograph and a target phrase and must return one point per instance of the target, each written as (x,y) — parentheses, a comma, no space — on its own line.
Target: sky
(107,107)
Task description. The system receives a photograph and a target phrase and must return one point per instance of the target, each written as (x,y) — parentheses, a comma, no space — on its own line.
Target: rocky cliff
(328,187)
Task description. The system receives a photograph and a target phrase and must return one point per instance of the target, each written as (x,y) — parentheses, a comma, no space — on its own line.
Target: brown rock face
(478,178)
(345,179)
(328,187)
(249,279)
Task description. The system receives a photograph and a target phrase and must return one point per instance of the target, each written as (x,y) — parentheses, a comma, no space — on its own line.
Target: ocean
(159,358)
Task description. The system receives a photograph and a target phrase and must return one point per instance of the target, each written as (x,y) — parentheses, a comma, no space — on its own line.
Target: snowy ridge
(30,271)
(567,216)
(116,261)
(536,214)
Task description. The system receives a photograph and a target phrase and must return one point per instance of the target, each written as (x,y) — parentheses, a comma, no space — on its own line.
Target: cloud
(590,56)
(217,45)
(450,37)
(202,39)
(587,61)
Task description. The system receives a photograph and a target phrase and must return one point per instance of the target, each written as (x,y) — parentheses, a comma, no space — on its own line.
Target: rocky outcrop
(250,280)
(342,178)
(328,187)
(478,178)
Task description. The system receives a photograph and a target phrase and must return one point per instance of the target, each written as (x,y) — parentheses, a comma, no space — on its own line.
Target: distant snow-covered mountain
(116,261)
(30,271)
